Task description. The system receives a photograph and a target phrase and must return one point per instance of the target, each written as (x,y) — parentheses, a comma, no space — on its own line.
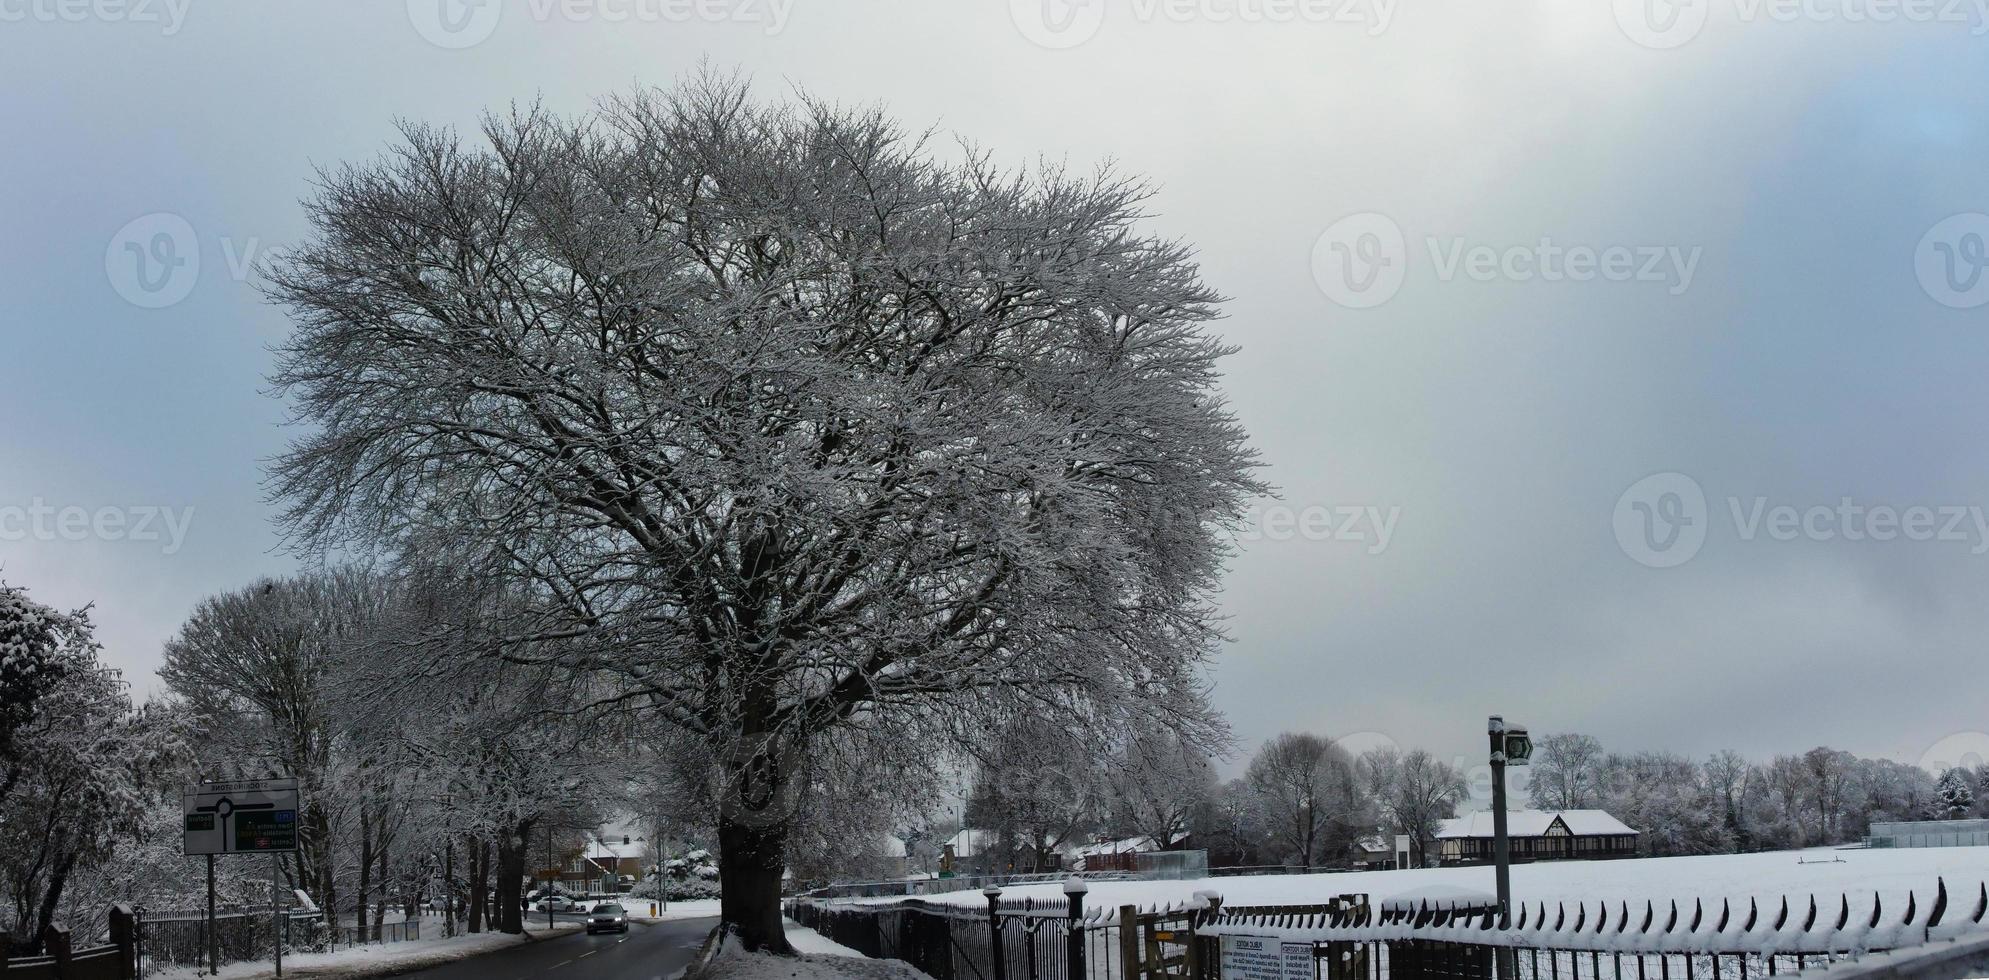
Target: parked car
(557,903)
(607,916)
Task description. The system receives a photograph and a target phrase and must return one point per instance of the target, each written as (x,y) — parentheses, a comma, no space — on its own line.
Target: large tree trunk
(752,855)
(365,875)
(510,878)
(477,853)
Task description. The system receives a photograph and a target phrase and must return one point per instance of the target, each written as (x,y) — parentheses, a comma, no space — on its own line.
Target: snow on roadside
(808,942)
(644,910)
(376,959)
(841,963)
(1767,876)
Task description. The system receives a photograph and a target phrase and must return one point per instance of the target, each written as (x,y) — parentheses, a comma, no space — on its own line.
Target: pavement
(648,951)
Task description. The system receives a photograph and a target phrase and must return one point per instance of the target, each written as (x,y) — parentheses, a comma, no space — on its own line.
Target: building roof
(1128,845)
(1534,823)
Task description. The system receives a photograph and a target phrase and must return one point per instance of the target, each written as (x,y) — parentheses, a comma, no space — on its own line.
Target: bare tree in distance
(1309,794)
(781,421)
(1566,772)
(1416,793)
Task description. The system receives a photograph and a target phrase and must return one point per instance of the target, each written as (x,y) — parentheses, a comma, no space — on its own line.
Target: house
(610,859)
(1118,855)
(1537,835)
(1371,852)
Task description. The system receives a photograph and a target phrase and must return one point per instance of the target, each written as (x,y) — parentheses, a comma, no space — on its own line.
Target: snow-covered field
(1766,876)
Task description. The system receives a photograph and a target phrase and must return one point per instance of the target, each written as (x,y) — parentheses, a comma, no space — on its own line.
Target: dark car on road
(606,917)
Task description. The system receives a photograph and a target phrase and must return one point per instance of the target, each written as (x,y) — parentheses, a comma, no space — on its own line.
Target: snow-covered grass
(370,960)
(1767,876)
(820,959)
(644,909)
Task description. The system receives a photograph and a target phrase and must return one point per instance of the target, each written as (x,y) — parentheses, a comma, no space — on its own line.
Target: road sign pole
(276,908)
(213,941)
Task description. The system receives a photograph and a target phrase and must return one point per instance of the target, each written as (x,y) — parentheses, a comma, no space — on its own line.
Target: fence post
(994,931)
(55,943)
(1130,967)
(1074,890)
(123,935)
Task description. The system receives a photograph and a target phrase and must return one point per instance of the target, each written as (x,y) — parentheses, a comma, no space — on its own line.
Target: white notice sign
(1258,958)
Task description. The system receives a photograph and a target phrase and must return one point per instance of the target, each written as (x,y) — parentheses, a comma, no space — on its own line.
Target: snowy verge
(832,962)
(643,910)
(377,960)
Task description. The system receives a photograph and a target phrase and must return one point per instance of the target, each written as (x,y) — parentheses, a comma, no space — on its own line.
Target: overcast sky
(1493,265)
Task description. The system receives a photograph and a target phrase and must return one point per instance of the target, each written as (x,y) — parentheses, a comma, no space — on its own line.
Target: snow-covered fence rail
(1602,939)
(1353,939)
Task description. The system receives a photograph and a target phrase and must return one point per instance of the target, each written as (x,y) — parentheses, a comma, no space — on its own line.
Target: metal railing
(1351,939)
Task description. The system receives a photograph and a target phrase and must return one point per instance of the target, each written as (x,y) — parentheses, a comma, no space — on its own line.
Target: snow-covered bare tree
(1310,795)
(1566,772)
(1160,782)
(781,417)
(1038,789)
(1415,793)
(256,666)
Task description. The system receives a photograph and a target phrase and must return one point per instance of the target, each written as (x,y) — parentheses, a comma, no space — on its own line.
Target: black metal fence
(1350,939)
(1017,939)
(178,938)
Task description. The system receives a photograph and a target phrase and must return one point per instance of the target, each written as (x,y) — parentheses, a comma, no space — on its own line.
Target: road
(647,952)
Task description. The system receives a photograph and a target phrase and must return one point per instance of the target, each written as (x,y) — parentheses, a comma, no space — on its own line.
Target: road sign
(1519,745)
(254,816)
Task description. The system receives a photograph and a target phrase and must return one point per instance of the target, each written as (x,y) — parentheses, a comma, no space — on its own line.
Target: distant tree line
(1729,803)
